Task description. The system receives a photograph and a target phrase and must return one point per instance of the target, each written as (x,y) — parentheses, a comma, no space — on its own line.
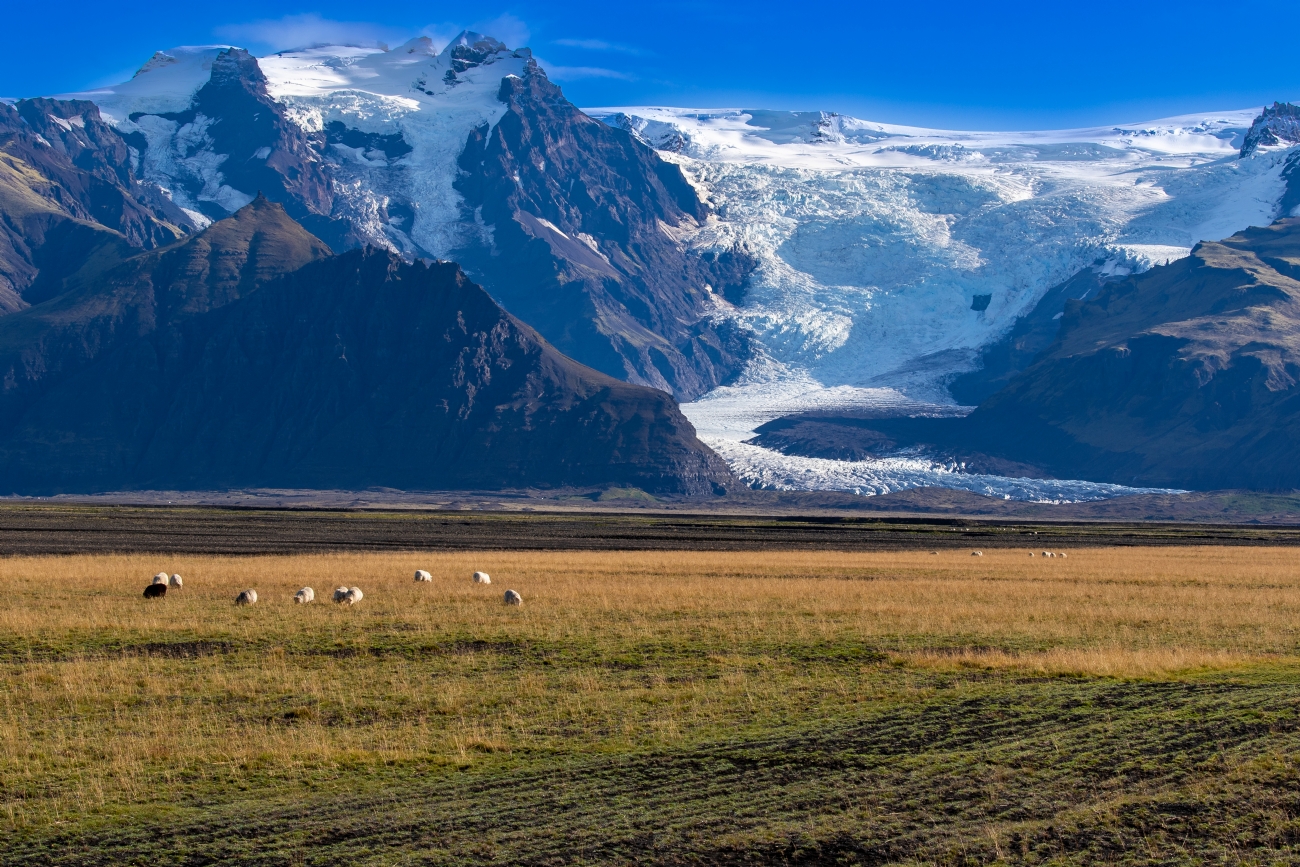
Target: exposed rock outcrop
(586,225)
(69,193)
(233,142)
(1278,124)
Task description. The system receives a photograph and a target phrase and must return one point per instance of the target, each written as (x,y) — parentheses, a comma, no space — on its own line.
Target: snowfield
(878,245)
(887,255)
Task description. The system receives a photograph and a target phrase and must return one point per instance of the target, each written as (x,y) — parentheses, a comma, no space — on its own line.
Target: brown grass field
(635,668)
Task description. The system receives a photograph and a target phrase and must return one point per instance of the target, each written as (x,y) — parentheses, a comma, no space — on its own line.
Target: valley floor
(1134,705)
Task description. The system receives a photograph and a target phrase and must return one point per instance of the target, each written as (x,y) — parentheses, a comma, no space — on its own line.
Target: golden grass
(106,698)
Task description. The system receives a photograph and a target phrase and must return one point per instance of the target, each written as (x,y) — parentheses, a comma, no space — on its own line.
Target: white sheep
(977,553)
(1062,553)
(421,575)
(513,598)
(1047,553)
(340,593)
(304,596)
(175,581)
(246,597)
(482,578)
(160,578)
(355,595)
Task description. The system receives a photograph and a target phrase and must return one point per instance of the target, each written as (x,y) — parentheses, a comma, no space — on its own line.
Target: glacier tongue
(888,255)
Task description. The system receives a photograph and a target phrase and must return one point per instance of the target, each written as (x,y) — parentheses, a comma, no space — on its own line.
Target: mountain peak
(470,49)
(1276,125)
(420,45)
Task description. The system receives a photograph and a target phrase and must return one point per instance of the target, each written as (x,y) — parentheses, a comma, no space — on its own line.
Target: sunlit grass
(109,699)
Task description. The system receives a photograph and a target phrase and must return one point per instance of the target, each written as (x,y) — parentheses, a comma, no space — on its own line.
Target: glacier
(888,255)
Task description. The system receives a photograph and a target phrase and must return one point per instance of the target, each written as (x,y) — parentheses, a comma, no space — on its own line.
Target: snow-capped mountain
(812,261)
(467,153)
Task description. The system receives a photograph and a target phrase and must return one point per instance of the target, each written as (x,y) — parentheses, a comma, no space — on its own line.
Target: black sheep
(155,591)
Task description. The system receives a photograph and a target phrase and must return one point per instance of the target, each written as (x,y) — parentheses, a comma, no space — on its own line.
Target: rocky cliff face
(199,367)
(68,193)
(233,142)
(583,240)
(1186,376)
(1278,124)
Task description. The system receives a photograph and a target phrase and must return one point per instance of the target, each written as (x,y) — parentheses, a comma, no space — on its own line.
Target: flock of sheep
(1031,553)
(342,595)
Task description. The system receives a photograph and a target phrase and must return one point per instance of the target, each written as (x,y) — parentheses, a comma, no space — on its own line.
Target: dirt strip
(29,530)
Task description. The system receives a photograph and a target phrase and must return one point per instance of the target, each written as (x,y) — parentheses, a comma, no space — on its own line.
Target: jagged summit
(469,49)
(1278,124)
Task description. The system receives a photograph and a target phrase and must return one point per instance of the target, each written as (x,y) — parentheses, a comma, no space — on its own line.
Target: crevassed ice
(873,241)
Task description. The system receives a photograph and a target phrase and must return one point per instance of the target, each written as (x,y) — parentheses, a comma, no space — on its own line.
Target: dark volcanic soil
(68,530)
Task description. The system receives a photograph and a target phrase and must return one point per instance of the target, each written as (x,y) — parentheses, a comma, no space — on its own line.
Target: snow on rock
(166,83)
(427,99)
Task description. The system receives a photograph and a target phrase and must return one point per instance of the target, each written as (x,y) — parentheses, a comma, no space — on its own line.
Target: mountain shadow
(352,371)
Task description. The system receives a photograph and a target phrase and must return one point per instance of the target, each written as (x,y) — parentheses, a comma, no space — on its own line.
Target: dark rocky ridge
(68,194)
(263,150)
(108,303)
(1186,376)
(582,249)
(354,371)
(1278,124)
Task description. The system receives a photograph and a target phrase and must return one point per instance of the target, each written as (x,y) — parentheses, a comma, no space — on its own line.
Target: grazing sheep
(1062,553)
(246,597)
(155,591)
(934,552)
(977,553)
(1031,553)
(175,581)
(304,596)
(1047,553)
(513,598)
(421,575)
(354,596)
(160,578)
(482,578)
(340,593)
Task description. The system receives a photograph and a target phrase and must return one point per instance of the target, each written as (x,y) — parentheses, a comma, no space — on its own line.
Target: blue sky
(933,63)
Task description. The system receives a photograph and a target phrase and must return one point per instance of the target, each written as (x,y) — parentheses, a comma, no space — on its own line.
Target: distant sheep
(934,552)
(160,578)
(513,598)
(304,596)
(421,575)
(1062,553)
(482,578)
(246,597)
(155,591)
(977,553)
(1047,553)
(175,581)
(1031,553)
(350,595)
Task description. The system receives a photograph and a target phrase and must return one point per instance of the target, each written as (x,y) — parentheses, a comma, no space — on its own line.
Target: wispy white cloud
(507,28)
(600,45)
(573,73)
(298,31)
